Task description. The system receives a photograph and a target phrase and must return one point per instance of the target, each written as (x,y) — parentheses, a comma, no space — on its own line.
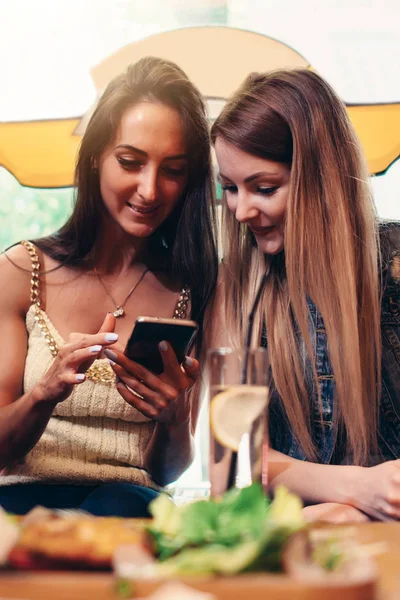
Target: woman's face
(257,192)
(144,171)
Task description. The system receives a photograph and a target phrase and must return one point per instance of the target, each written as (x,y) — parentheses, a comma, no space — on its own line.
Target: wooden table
(388,562)
(92,586)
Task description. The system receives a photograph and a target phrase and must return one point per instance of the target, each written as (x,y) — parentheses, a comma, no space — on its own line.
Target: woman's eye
(266,191)
(229,188)
(175,172)
(129,163)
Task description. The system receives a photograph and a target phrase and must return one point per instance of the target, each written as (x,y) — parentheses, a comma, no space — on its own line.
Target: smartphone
(148,332)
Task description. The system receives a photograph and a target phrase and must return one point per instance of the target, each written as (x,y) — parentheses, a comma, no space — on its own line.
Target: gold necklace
(119,310)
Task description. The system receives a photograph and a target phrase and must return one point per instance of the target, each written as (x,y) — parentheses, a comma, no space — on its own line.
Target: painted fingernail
(80,377)
(188,361)
(111,337)
(110,354)
(111,362)
(163,346)
(96,348)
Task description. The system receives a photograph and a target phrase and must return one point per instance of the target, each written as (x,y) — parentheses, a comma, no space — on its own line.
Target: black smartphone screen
(142,346)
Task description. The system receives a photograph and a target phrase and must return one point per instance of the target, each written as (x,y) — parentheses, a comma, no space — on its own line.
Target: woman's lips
(262,230)
(142,210)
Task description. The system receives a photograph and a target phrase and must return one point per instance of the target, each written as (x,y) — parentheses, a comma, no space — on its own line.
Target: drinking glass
(238,418)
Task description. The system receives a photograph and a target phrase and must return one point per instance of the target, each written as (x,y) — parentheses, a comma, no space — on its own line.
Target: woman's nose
(147,187)
(245,211)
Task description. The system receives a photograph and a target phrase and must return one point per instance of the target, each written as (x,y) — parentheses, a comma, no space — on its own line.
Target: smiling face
(256,192)
(144,171)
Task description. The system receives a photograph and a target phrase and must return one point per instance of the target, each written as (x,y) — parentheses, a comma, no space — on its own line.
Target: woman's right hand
(73,359)
(377,491)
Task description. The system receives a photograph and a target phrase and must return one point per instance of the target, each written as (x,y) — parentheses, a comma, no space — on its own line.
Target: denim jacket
(323,431)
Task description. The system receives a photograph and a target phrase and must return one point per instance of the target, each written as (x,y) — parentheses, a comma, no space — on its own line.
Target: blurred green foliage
(27,213)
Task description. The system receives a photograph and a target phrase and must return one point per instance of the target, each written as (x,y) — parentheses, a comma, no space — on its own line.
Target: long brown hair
(330,250)
(185,242)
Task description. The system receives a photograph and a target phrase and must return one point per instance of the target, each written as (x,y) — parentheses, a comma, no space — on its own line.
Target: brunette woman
(140,241)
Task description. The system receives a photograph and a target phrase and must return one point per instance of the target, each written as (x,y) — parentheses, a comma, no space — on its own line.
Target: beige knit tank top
(94,436)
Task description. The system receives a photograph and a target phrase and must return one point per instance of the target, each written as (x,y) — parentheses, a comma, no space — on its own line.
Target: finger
(87,341)
(376,513)
(192,368)
(157,399)
(393,496)
(172,368)
(64,385)
(108,323)
(344,514)
(134,369)
(75,337)
(389,512)
(141,405)
(85,356)
(118,347)
(72,378)
(107,326)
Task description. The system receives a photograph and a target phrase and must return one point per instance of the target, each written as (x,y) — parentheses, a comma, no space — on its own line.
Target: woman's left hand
(332,512)
(162,397)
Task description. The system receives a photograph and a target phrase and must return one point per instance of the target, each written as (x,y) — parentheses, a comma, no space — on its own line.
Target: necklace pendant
(119,312)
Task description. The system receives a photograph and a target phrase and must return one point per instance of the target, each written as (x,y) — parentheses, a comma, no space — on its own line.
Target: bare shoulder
(15,276)
(18,255)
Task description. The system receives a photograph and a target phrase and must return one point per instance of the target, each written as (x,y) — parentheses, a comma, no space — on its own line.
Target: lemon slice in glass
(233,411)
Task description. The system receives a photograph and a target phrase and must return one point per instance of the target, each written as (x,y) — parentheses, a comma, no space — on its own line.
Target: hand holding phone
(148,332)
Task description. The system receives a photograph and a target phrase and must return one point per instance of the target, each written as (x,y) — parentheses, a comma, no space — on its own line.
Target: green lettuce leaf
(242,531)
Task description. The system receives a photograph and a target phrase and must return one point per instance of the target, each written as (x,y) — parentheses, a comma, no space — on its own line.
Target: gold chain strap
(35,298)
(182,304)
(99,372)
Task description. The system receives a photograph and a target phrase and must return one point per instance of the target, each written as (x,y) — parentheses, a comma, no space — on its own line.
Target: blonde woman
(297,202)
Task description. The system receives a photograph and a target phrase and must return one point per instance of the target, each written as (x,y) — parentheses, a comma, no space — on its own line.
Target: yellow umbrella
(217,59)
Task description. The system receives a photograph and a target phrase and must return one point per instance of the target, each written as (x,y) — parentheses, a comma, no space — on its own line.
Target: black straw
(250,325)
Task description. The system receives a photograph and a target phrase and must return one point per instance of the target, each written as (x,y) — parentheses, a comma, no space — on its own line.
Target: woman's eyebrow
(269,174)
(132,148)
(143,153)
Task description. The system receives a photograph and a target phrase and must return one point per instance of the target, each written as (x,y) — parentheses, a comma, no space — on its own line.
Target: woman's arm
(167,400)
(373,490)
(332,512)
(23,417)
(171,448)
(314,482)
(170,451)
(22,423)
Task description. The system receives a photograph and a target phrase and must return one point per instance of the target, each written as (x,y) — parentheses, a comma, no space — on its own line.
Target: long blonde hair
(330,251)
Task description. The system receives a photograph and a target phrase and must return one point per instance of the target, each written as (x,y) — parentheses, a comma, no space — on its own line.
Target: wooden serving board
(78,586)
(101,586)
